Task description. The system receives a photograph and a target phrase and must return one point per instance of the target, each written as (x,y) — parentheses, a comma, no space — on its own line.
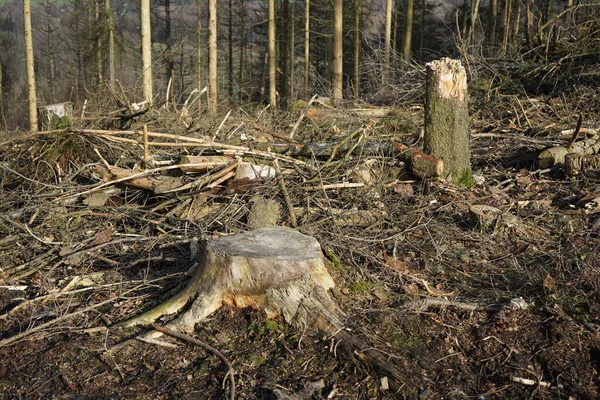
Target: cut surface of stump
(276,269)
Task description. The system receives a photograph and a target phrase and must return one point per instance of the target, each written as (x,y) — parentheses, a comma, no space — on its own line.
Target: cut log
(204,163)
(157,184)
(556,155)
(55,116)
(447,123)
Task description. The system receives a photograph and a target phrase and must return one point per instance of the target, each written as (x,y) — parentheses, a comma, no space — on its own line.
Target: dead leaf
(433,291)
(103,236)
(411,290)
(549,283)
(395,263)
(405,190)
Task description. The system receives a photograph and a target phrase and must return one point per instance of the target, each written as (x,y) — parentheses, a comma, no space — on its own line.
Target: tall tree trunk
(492,22)
(242,51)
(292,52)
(146,51)
(357,12)
(199,80)
(111,43)
(337,51)
(388,39)
(212,57)
(2,113)
(422,31)
(529,22)
(408,27)
(547,12)
(169,53)
(506,24)
(284,52)
(272,56)
(516,24)
(306,48)
(33,120)
(230,52)
(474,19)
(98,40)
(50,44)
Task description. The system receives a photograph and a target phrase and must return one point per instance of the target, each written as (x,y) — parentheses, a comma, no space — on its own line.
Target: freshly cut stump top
(276,243)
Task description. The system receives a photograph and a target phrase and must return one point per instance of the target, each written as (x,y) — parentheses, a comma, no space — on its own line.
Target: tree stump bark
(447,123)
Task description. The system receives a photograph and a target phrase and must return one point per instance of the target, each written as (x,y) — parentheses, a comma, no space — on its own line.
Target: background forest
(74,41)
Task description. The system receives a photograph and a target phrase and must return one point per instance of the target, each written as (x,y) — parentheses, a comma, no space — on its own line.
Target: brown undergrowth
(510,312)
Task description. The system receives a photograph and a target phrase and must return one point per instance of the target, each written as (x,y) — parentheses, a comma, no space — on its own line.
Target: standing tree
(357,11)
(212,56)
(388,39)
(146,51)
(199,81)
(111,43)
(337,51)
(408,27)
(33,121)
(230,50)
(306,48)
(492,22)
(272,56)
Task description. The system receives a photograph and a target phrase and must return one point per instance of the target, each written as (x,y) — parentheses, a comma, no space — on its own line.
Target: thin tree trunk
(492,22)
(242,45)
(406,53)
(293,54)
(516,24)
(111,43)
(99,58)
(2,113)
(284,53)
(506,24)
(169,54)
(337,51)
(230,53)
(146,51)
(50,38)
(272,55)
(306,48)
(212,57)
(529,23)
(33,120)
(547,11)
(199,58)
(474,19)
(357,12)
(388,39)
(422,31)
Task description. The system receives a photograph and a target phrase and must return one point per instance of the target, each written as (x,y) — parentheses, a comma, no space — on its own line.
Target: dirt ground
(511,312)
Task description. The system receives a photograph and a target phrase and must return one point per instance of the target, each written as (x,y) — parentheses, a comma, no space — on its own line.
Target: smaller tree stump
(55,116)
(447,122)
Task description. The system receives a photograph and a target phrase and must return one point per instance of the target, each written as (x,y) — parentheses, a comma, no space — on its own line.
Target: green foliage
(360,286)
(465,179)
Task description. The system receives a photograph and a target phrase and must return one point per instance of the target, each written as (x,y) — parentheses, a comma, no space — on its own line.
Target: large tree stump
(447,123)
(278,270)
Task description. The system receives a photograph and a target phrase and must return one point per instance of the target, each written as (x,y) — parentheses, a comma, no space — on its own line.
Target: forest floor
(508,312)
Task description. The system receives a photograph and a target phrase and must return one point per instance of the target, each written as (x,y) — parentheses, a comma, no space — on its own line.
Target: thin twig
(286,195)
(205,346)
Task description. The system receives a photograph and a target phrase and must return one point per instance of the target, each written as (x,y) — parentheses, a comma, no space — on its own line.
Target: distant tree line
(270,52)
